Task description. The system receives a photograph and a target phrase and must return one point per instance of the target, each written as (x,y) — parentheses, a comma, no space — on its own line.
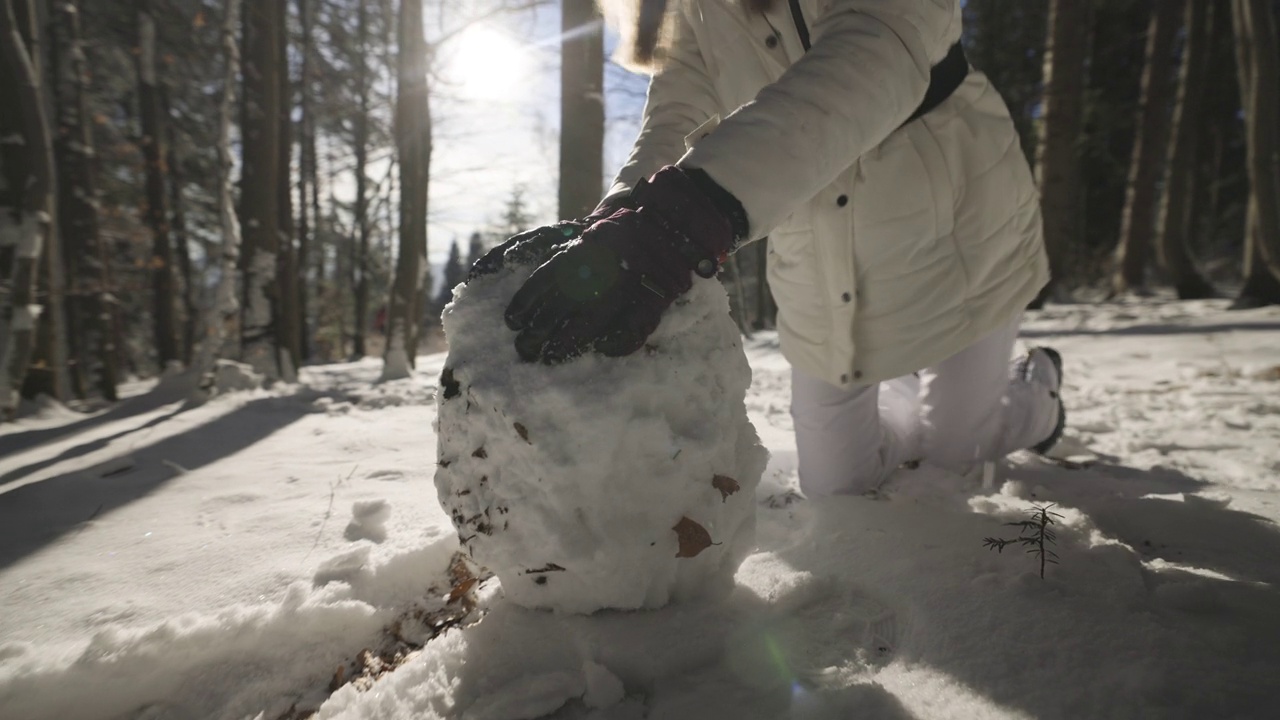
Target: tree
(1057,160)
(259,187)
(152,116)
(475,249)
(1255,31)
(288,321)
(581,108)
(359,267)
(1176,218)
(308,172)
(90,305)
(225,306)
(413,142)
(1138,219)
(26,195)
(454,273)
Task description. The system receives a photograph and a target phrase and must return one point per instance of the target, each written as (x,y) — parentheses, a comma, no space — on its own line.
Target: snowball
(604,482)
(368,521)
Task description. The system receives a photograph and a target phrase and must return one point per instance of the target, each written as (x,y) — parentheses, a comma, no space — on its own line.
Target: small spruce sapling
(1034,534)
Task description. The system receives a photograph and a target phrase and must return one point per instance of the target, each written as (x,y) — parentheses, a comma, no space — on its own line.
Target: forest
(188,180)
(267,452)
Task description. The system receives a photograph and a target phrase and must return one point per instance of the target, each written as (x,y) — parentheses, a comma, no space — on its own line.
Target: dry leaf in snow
(523,432)
(693,538)
(726,485)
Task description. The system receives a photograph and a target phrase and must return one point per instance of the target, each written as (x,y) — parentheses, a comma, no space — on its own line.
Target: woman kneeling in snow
(902,220)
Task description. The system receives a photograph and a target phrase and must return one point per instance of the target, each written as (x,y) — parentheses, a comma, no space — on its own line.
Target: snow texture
(232,376)
(131,589)
(604,482)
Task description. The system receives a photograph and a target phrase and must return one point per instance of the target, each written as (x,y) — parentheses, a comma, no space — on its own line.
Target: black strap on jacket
(944,78)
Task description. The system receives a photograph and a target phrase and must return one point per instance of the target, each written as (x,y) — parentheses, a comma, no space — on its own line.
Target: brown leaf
(693,538)
(726,485)
(523,432)
(480,453)
(339,678)
(461,590)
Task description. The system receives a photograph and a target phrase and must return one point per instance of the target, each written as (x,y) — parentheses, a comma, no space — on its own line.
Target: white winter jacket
(891,247)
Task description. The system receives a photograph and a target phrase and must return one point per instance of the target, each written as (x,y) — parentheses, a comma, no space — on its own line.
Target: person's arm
(681,98)
(866,73)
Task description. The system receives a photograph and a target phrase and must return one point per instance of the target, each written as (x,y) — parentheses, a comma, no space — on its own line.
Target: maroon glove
(606,290)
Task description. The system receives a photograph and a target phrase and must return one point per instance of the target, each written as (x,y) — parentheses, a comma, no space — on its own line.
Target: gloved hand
(607,289)
(535,246)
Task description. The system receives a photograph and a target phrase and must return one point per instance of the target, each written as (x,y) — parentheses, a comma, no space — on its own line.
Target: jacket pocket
(796,281)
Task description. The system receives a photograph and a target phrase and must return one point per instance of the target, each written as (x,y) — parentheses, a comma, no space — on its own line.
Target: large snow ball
(604,482)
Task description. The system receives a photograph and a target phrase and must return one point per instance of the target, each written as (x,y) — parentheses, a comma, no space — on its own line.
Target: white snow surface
(569,482)
(160,561)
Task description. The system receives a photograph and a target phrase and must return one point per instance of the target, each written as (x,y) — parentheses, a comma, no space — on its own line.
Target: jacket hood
(645,31)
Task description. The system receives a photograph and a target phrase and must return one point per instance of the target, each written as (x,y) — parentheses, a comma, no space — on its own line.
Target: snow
(580,485)
(160,560)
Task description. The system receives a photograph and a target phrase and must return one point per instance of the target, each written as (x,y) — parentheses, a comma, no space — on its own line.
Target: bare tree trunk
(225,306)
(182,251)
(1175,222)
(1138,219)
(360,261)
(89,301)
(581,108)
(413,135)
(306,178)
(1057,156)
(157,208)
(26,197)
(1256,39)
(47,372)
(287,320)
(260,187)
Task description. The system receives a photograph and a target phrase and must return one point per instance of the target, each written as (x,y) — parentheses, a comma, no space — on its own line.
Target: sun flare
(488,63)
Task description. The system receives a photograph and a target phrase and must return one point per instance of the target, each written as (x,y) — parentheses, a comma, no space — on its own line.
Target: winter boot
(1043,366)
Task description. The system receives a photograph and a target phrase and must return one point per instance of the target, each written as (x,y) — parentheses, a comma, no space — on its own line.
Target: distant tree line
(188,180)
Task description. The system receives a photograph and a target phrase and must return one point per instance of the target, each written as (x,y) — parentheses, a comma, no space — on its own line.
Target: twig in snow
(333,489)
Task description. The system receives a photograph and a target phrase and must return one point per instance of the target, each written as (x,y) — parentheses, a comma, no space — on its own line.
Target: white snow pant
(967,409)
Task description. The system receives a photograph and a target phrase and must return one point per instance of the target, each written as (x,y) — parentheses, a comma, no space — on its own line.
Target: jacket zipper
(798,17)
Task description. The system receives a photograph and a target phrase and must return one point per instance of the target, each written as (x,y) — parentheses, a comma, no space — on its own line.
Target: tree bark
(259,186)
(26,196)
(1176,218)
(581,108)
(289,338)
(1057,155)
(181,248)
(151,114)
(306,177)
(413,135)
(90,304)
(360,260)
(1256,37)
(1138,219)
(225,306)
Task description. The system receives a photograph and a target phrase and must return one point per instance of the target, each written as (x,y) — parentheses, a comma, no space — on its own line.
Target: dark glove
(535,246)
(607,289)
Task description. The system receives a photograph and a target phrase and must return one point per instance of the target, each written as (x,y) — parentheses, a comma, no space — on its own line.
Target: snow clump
(603,482)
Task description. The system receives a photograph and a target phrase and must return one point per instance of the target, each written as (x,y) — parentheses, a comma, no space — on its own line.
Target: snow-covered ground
(160,562)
